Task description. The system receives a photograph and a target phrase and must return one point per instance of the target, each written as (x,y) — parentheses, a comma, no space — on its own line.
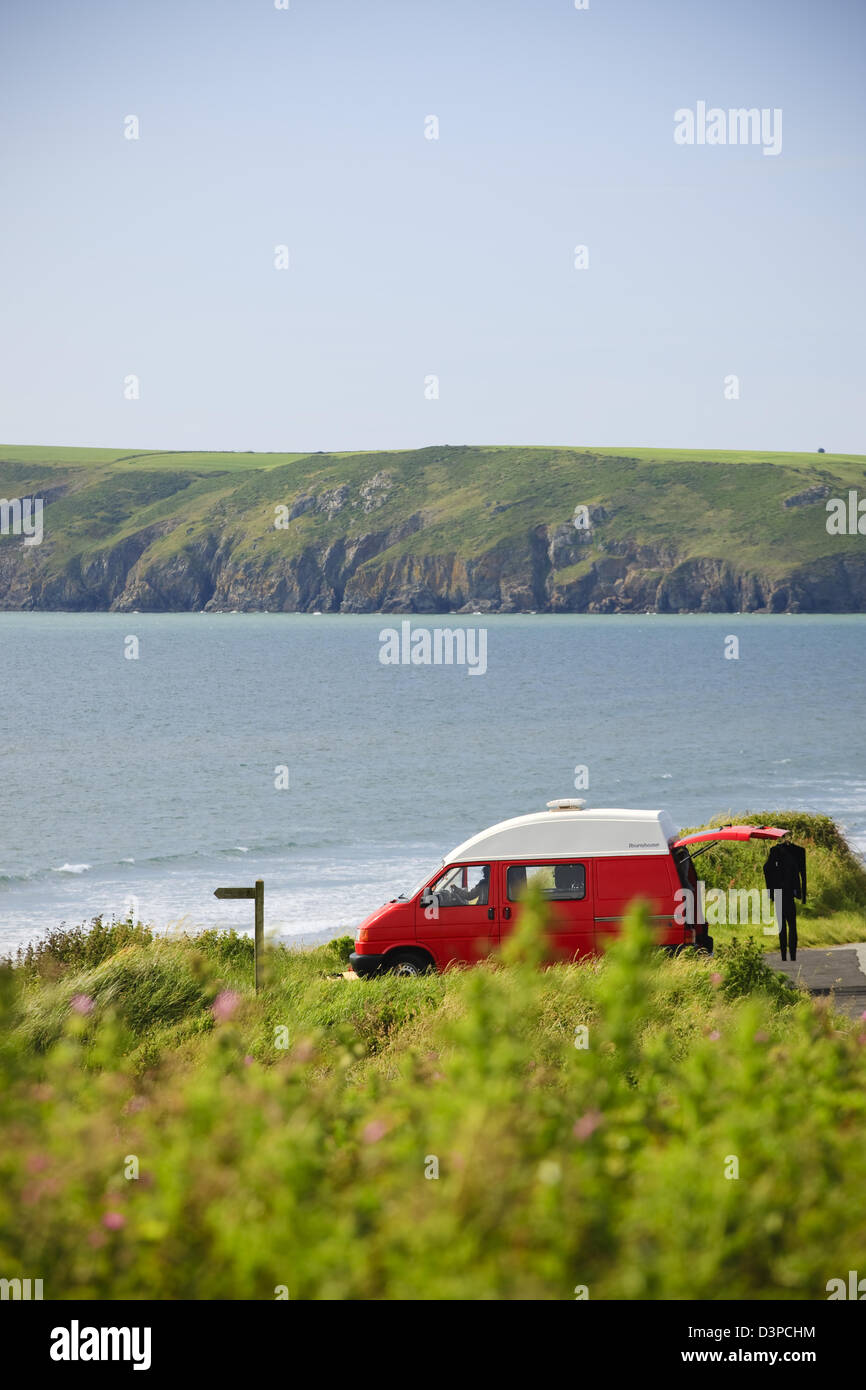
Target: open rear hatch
(684,854)
(730,832)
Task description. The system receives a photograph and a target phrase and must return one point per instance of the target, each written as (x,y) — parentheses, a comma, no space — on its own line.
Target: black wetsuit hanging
(785,875)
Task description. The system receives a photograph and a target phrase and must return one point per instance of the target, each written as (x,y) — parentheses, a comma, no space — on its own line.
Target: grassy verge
(634,1127)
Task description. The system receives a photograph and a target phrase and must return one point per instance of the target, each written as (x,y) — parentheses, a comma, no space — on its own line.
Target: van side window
(466,885)
(558,882)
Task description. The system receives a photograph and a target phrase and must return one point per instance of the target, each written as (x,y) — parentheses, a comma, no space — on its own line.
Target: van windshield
(413,893)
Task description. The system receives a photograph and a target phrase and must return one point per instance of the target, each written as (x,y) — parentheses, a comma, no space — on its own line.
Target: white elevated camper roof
(566,833)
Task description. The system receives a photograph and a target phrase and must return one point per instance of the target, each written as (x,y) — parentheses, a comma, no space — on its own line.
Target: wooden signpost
(258,893)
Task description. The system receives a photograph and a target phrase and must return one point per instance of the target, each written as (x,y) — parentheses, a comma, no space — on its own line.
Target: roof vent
(566,803)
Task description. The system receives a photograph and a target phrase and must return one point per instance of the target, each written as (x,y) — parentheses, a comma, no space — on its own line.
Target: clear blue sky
(412,257)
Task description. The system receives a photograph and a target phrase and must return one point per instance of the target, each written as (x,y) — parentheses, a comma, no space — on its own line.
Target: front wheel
(407,963)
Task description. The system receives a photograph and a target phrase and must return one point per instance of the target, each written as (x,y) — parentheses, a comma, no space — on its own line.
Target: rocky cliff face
(433,531)
(362,574)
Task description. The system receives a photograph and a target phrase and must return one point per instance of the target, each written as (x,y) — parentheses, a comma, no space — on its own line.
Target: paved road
(840,970)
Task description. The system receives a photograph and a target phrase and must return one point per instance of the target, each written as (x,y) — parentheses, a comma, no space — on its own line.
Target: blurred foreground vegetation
(701,1139)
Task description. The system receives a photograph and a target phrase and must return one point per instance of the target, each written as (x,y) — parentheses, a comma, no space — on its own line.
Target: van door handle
(506,912)
(491,913)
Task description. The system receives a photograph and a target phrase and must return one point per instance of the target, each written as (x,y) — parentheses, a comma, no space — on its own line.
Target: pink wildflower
(225,1005)
(587,1124)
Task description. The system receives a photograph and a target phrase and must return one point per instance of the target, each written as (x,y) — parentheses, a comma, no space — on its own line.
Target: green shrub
(76,948)
(225,946)
(746,970)
(342,947)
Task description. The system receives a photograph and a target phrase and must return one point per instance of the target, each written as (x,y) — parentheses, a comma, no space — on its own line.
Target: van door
(456,916)
(567,893)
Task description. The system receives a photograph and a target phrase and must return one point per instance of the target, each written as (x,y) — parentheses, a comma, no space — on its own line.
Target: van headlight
(362,934)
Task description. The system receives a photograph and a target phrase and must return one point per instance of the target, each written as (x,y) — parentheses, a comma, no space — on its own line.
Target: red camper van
(589,865)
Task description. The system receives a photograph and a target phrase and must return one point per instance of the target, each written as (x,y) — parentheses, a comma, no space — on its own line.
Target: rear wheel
(407,963)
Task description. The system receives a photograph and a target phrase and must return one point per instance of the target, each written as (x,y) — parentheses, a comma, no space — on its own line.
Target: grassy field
(471,501)
(634,1127)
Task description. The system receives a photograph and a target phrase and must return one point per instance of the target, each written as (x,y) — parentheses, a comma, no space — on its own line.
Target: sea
(149,759)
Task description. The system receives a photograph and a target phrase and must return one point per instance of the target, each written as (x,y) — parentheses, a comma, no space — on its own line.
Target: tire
(409,964)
